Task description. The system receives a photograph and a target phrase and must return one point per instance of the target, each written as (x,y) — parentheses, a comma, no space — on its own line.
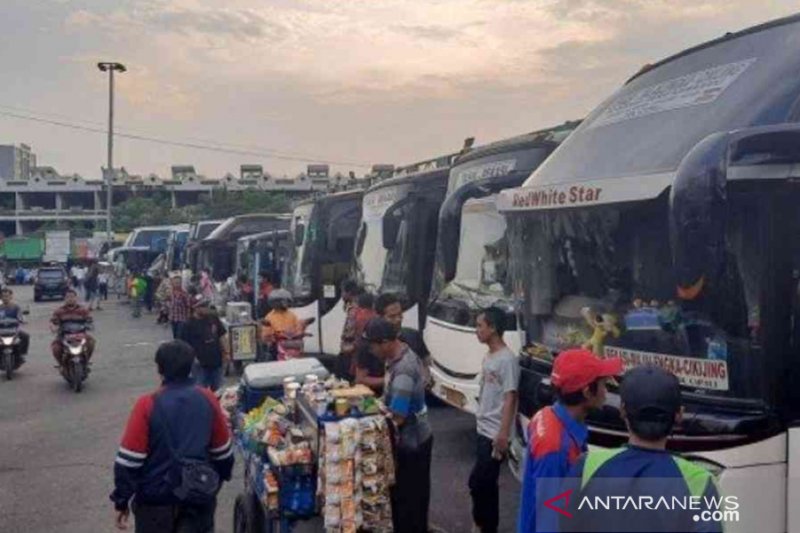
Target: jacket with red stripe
(197,430)
(555,443)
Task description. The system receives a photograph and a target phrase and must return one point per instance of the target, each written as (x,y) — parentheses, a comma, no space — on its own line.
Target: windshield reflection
(298,267)
(482,278)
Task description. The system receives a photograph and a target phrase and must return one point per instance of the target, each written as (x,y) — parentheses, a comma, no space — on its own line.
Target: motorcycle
(10,358)
(291,345)
(74,354)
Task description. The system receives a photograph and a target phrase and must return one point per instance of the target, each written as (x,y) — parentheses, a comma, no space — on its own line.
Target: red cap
(575,369)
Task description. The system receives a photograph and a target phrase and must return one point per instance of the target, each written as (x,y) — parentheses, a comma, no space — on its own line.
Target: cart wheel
(247,515)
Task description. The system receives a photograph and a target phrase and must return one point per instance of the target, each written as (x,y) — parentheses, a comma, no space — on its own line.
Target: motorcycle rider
(10,310)
(281,320)
(71,311)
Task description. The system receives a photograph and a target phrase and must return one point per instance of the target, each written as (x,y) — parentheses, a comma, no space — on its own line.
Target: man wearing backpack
(176,451)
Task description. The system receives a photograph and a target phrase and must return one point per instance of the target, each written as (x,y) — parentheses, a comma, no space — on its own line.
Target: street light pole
(110,68)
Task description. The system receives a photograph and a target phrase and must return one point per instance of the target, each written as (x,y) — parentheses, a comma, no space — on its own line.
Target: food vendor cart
(314,446)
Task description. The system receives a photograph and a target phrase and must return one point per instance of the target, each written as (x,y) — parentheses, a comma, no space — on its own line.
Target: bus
(397,236)
(197,232)
(471,269)
(217,252)
(153,237)
(322,237)
(665,230)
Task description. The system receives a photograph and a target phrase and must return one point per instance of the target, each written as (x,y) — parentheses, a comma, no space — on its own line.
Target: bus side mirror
(698,201)
(361,238)
(450,235)
(299,234)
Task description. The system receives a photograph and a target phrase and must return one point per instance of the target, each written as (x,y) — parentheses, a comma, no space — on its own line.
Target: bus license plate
(454,397)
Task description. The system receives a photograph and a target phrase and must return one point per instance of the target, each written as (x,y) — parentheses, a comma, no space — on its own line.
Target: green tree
(155,211)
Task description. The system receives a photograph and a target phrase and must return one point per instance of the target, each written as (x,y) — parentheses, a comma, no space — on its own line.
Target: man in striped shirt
(178,421)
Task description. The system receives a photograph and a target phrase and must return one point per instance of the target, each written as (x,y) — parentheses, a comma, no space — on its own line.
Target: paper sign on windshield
(701,87)
(710,374)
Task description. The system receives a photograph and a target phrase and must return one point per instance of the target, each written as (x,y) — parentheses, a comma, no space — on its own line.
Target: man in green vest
(641,487)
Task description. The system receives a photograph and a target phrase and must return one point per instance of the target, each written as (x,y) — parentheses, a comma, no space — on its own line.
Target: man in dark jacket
(205,332)
(178,421)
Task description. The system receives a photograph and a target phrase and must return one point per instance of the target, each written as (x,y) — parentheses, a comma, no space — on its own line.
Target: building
(51,198)
(16,162)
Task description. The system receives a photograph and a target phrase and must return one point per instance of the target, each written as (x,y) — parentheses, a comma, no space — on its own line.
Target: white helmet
(279,295)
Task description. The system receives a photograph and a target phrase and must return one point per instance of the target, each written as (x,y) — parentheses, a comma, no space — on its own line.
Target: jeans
(176,329)
(483,487)
(210,378)
(411,493)
(174,518)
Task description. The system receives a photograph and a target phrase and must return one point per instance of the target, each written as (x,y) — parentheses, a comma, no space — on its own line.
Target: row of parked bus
(662,228)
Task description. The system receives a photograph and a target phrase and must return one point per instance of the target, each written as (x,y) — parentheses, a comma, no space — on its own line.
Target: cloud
(347,75)
(431,32)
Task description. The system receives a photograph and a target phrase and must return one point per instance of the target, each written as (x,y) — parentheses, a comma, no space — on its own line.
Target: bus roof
(263,235)
(243,224)
(630,146)
(554,136)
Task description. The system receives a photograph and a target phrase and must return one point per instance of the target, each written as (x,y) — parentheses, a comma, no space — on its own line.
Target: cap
(379,330)
(575,369)
(650,390)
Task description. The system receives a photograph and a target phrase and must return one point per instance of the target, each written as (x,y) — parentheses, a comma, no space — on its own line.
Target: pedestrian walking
(180,306)
(92,285)
(137,291)
(497,406)
(557,434)
(205,333)
(405,400)
(651,407)
(176,437)
(102,286)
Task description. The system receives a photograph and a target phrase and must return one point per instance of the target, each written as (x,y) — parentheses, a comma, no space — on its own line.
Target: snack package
(333,516)
(348,509)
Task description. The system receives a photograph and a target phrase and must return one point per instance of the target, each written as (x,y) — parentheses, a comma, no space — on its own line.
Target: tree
(157,211)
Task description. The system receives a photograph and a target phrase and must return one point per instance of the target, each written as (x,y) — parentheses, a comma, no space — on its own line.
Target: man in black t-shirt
(205,333)
(370,370)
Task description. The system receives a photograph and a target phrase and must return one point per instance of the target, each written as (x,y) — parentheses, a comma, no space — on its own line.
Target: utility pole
(110,68)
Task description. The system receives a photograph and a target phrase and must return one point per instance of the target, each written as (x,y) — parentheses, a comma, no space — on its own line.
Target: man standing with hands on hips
(497,405)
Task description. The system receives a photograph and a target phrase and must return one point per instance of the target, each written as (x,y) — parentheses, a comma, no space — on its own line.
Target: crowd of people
(379,352)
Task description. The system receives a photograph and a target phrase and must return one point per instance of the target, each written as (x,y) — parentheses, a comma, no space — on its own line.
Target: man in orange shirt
(281,320)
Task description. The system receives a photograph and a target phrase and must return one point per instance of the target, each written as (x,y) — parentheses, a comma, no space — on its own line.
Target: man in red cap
(558,434)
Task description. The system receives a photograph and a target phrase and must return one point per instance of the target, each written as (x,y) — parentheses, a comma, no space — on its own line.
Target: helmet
(279,295)
(201,301)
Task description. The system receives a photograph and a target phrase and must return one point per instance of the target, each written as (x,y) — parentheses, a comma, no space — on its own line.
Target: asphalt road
(57,447)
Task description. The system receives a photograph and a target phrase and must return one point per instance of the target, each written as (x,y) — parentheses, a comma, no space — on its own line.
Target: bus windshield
(375,266)
(602,278)
(151,238)
(481,279)
(298,267)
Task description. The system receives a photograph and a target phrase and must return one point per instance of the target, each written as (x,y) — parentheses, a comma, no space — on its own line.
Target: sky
(285,83)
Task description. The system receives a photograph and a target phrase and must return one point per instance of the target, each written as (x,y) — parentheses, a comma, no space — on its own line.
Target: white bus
(666,230)
(397,236)
(471,266)
(322,234)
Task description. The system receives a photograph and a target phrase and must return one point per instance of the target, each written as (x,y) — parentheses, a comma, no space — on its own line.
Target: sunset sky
(353,82)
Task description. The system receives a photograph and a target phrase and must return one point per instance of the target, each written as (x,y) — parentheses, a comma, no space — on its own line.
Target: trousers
(174,518)
(484,488)
(411,493)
